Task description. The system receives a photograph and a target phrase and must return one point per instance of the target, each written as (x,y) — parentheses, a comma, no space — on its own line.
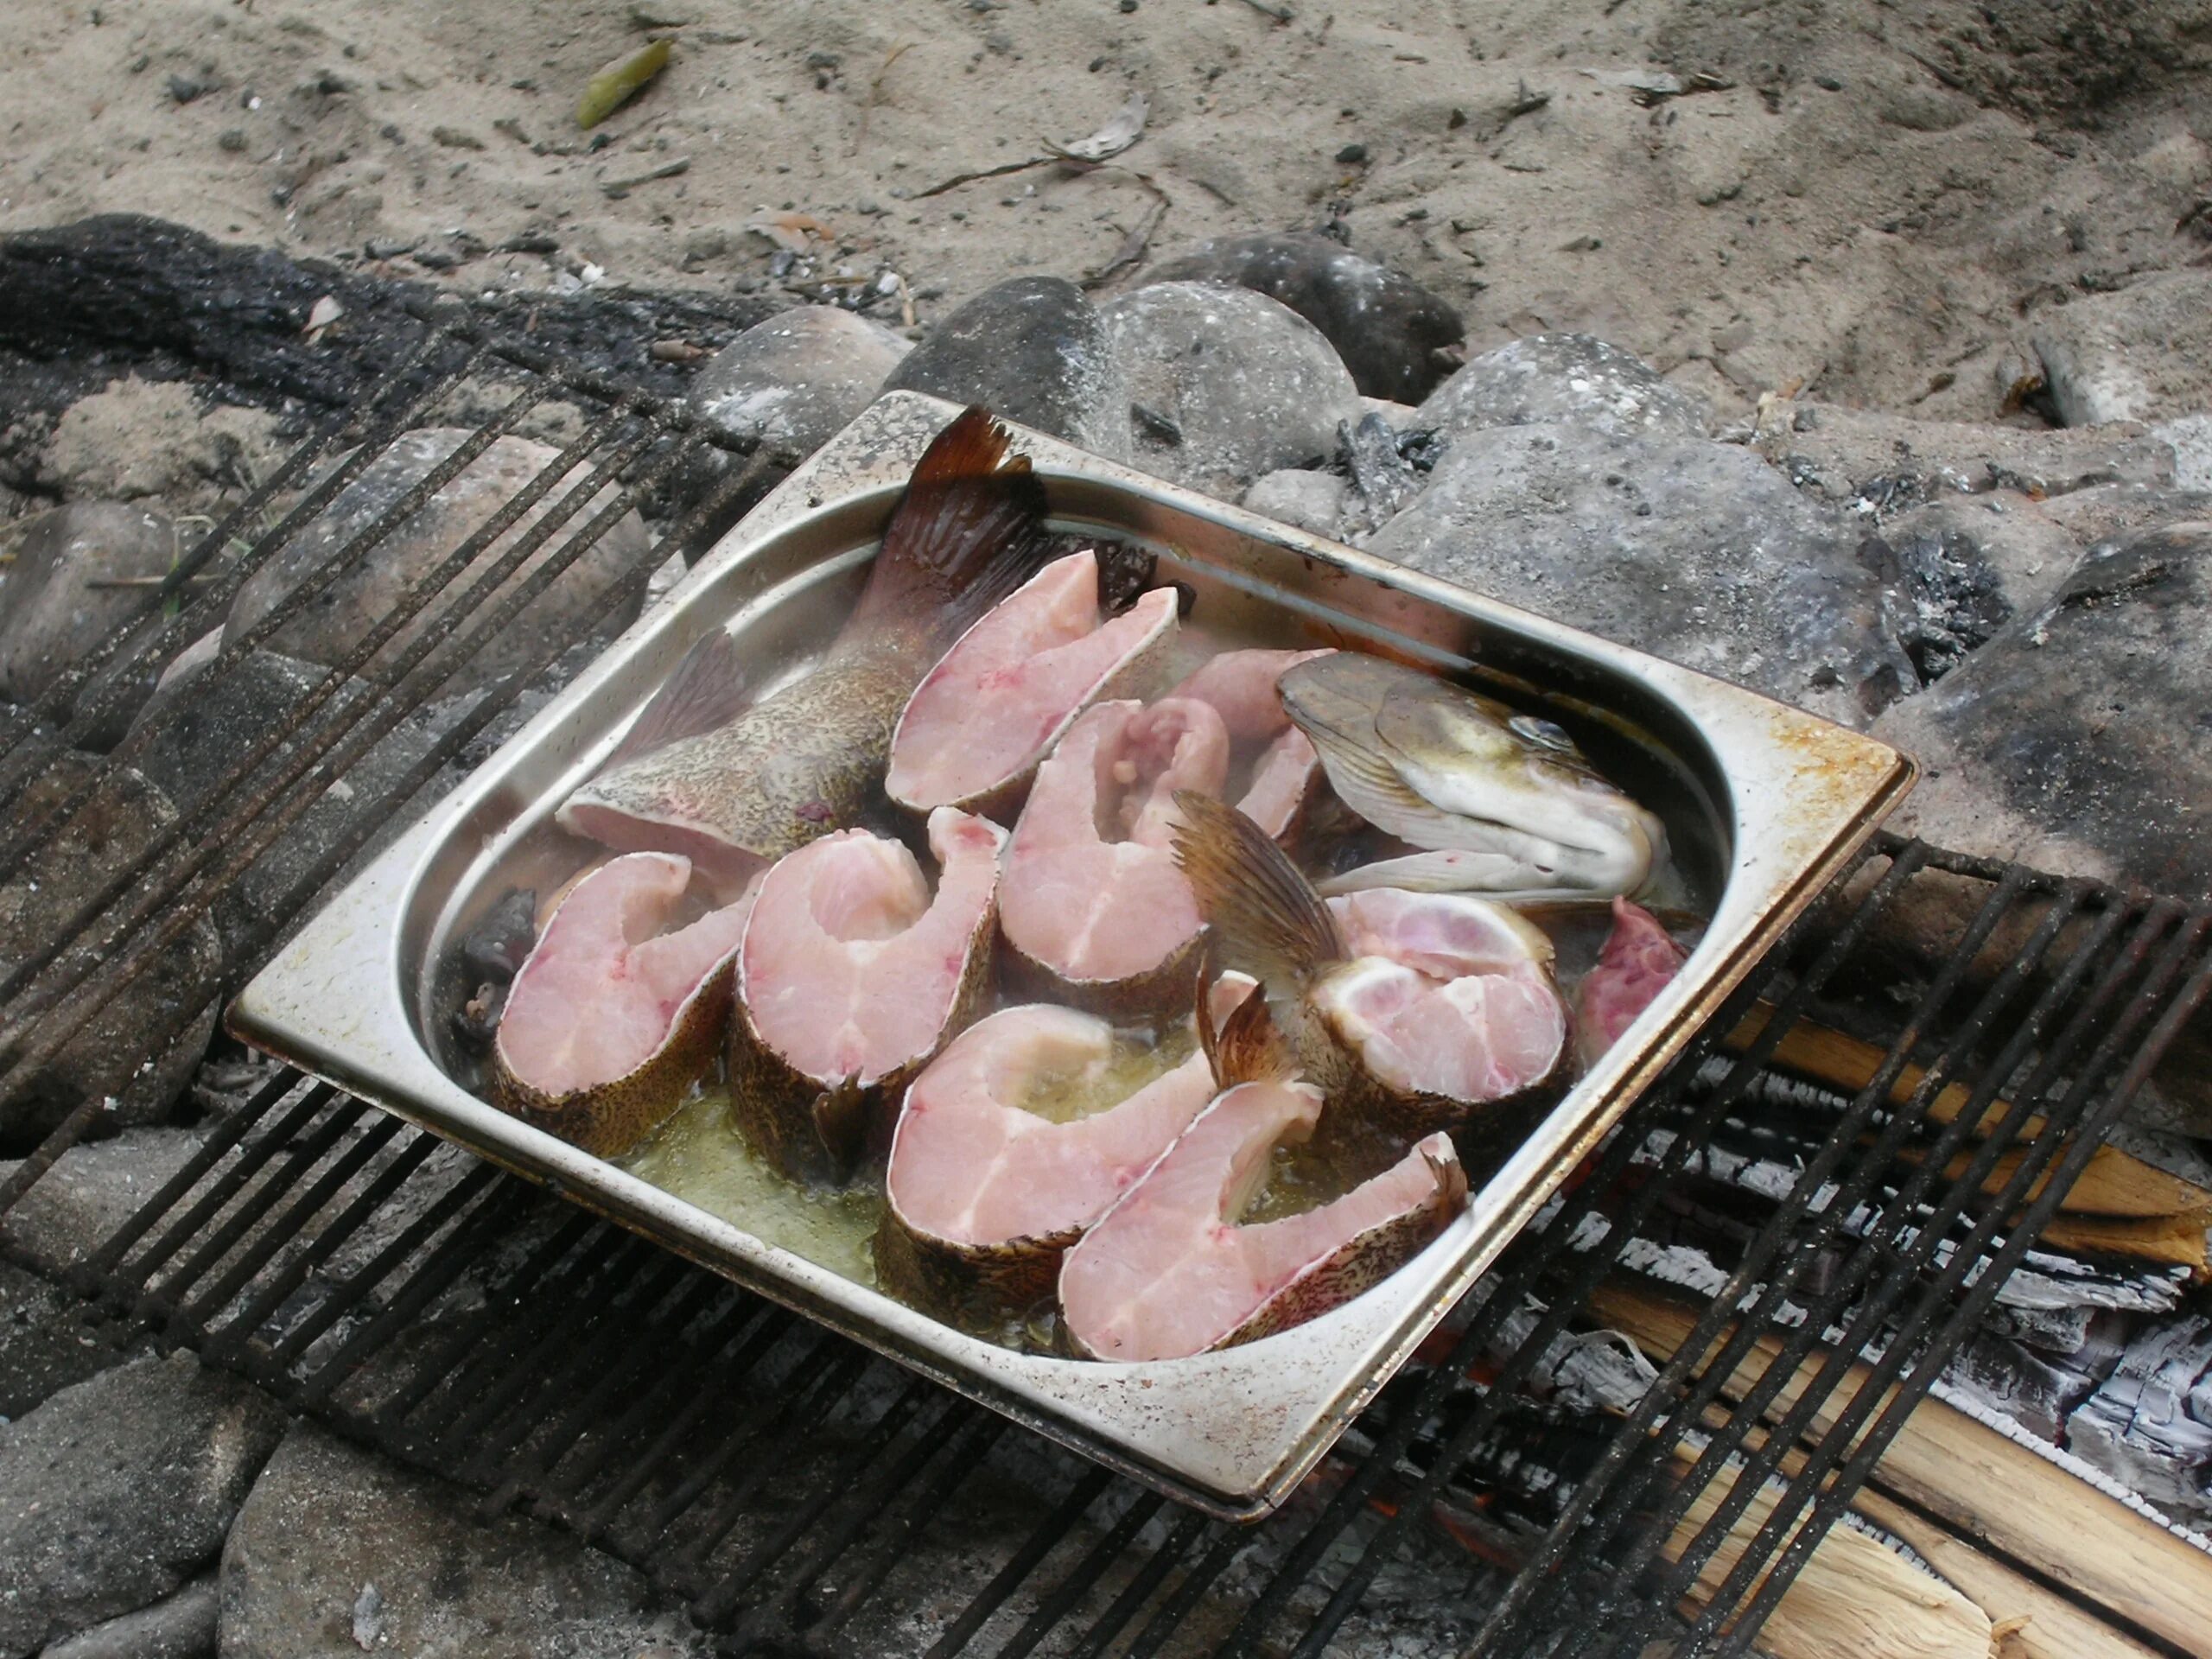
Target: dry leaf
(321,315)
(1116,136)
(792,233)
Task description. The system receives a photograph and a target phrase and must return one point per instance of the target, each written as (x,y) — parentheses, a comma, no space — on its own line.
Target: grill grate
(805,1497)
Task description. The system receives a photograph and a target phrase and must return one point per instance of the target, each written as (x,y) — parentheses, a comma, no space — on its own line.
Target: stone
(49,619)
(2074,741)
(330,623)
(2104,511)
(117,1490)
(46,1341)
(1034,350)
(793,381)
(1235,383)
(1397,339)
(2190,438)
(2141,353)
(139,438)
(183,1627)
(1575,380)
(1846,455)
(103,1058)
(2023,552)
(1689,550)
(334,1544)
(92,1189)
(1305,500)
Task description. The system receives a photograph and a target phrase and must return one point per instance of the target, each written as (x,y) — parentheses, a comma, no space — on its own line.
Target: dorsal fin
(1268,920)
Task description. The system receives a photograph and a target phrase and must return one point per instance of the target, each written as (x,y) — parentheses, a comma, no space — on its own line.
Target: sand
(1876,204)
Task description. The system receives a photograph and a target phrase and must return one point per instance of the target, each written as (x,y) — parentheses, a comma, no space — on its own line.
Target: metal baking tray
(1764,804)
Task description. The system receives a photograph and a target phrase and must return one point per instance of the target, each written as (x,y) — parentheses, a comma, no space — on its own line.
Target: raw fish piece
(984,1193)
(976,728)
(1276,763)
(1637,961)
(797,764)
(1413,1011)
(1095,911)
(1168,1272)
(1504,802)
(610,1021)
(852,975)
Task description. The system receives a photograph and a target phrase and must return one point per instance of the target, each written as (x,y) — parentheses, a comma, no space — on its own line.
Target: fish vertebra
(1502,803)
(850,978)
(607,1025)
(797,764)
(1168,1272)
(1413,1011)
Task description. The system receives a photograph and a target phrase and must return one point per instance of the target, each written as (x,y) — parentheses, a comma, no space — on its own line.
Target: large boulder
(47,1342)
(791,382)
(50,616)
(332,623)
(183,1627)
(117,1491)
(91,1190)
(1689,550)
(337,1551)
(1230,385)
(1397,339)
(1031,349)
(1568,380)
(2141,353)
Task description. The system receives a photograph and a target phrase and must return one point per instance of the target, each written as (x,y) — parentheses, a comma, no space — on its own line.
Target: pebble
(330,625)
(1689,550)
(117,1490)
(2141,353)
(1305,500)
(103,1058)
(326,1524)
(793,381)
(1397,339)
(1247,385)
(49,619)
(1032,350)
(1575,380)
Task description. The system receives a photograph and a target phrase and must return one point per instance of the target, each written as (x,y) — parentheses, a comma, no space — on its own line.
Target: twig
(875,91)
(1280,14)
(618,188)
(959,179)
(98,583)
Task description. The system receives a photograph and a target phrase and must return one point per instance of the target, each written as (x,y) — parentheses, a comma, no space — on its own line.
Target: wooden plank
(1984,1485)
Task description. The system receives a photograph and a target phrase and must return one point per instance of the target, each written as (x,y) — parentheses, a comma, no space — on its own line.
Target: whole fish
(1501,803)
(738,795)
(1411,1012)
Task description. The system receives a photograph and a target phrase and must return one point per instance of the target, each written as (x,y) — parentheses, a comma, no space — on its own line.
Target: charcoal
(2141,1425)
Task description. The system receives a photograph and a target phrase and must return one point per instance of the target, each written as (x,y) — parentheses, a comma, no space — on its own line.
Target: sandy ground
(1874,204)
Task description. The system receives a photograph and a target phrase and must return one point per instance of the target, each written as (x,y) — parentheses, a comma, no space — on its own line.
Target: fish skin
(1267,920)
(797,764)
(1517,809)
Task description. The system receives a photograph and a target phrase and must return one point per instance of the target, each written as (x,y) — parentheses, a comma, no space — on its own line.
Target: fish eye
(1541,732)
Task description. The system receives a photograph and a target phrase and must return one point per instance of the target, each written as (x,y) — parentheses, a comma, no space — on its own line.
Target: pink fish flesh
(992,709)
(1445,994)
(1276,765)
(601,991)
(969,1165)
(1168,1272)
(1637,963)
(850,969)
(1092,890)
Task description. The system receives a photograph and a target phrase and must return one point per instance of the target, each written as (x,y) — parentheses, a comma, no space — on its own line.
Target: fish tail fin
(1249,1047)
(1268,920)
(709,688)
(969,530)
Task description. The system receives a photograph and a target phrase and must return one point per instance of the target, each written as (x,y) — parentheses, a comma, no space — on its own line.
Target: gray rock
(2143,353)
(183,1627)
(46,1341)
(136,438)
(1305,500)
(1034,350)
(2191,438)
(333,622)
(1397,339)
(48,618)
(40,904)
(117,1491)
(92,1189)
(795,379)
(1235,384)
(2076,740)
(1575,380)
(1846,455)
(2104,511)
(2025,552)
(333,1541)
(1692,551)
